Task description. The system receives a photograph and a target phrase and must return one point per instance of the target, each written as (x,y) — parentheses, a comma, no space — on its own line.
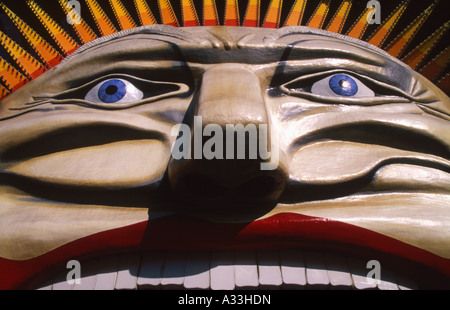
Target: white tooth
(316,271)
(88,278)
(107,273)
(338,271)
(222,271)
(269,269)
(246,270)
(197,271)
(293,269)
(173,271)
(359,274)
(151,270)
(128,271)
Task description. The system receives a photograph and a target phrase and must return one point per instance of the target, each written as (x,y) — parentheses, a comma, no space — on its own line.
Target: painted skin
(76,163)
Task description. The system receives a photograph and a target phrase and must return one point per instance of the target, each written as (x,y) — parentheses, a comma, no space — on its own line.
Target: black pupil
(111,89)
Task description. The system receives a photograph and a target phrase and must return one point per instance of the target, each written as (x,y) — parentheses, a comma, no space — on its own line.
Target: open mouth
(264,254)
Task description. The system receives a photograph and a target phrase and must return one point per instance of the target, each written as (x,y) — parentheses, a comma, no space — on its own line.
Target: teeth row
(286,269)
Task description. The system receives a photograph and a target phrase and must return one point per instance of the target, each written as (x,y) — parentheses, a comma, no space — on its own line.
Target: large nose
(230,101)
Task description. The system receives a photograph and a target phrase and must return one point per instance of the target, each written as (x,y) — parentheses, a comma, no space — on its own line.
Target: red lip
(175,232)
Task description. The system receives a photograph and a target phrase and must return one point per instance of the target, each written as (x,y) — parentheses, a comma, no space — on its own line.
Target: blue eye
(343,85)
(112,91)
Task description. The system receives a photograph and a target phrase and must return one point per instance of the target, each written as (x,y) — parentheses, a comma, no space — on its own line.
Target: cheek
(117,164)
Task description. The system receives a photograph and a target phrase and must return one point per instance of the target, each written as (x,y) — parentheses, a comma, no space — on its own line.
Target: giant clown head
(221,156)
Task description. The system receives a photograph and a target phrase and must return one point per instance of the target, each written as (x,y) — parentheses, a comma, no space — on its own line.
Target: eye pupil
(112,91)
(343,85)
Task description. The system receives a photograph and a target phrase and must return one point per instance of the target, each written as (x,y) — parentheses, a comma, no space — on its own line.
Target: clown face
(361,144)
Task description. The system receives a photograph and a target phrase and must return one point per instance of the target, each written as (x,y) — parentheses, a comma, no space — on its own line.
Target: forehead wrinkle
(162,33)
(305,49)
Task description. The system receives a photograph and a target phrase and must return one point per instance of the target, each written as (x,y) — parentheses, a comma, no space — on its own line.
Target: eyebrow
(392,72)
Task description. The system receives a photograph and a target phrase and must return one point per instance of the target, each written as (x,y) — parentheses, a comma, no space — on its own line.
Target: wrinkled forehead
(209,45)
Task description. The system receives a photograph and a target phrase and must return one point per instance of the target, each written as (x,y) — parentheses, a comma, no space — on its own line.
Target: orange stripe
(144,13)
(337,22)
(27,63)
(210,17)
(231,13)
(296,14)
(416,56)
(11,76)
(359,27)
(63,40)
(318,18)
(272,19)
(122,15)
(252,14)
(47,54)
(399,44)
(189,14)
(167,14)
(3,92)
(102,21)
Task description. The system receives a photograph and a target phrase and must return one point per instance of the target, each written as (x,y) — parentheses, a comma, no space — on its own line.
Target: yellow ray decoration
(340,17)
(10,76)
(145,15)
(47,54)
(416,56)
(272,19)
(231,13)
(190,17)
(435,67)
(252,14)
(296,14)
(31,67)
(210,16)
(104,24)
(401,42)
(360,26)
(167,14)
(3,91)
(61,38)
(318,18)
(123,17)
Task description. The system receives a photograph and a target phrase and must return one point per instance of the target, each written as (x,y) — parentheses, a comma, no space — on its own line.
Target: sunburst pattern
(45,39)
